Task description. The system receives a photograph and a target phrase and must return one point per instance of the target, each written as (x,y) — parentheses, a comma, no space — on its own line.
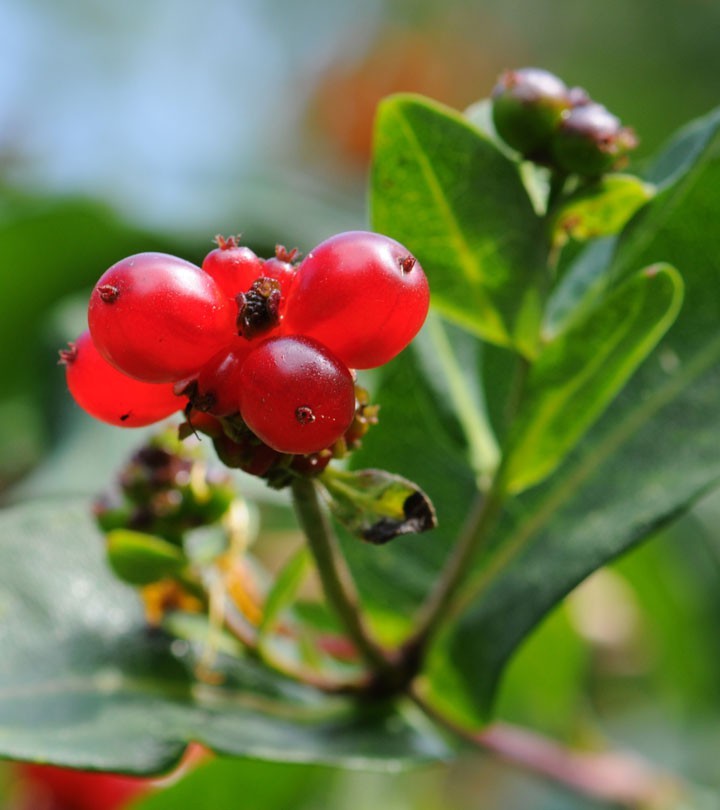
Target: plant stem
(558,181)
(480,521)
(334,575)
(517,389)
(619,778)
(484,451)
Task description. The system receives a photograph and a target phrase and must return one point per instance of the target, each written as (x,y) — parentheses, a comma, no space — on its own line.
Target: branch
(473,537)
(334,575)
(616,777)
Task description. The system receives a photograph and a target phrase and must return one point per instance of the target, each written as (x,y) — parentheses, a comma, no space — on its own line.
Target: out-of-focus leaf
(84,682)
(284,588)
(49,249)
(444,189)
(544,686)
(139,558)
(602,209)
(579,373)
(378,506)
(226,784)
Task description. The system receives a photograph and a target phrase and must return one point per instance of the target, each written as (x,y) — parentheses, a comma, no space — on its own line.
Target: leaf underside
(85,683)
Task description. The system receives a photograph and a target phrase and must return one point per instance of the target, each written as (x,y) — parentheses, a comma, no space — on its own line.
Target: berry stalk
(334,575)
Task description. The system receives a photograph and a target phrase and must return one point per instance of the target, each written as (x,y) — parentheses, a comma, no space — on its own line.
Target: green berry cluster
(561,127)
(163,491)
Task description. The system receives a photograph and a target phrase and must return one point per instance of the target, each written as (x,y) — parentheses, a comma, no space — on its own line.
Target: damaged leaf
(378,506)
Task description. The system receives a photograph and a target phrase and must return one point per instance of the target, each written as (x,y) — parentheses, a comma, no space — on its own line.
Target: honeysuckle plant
(559,405)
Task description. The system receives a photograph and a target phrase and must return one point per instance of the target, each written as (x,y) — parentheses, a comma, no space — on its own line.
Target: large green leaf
(419,436)
(656,450)
(83,682)
(578,373)
(444,189)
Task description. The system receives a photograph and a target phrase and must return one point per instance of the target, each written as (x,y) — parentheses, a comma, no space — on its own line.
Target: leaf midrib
(549,413)
(468,264)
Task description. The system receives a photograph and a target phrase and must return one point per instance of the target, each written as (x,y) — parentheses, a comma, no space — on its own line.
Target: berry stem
(475,534)
(335,577)
(616,777)
(558,183)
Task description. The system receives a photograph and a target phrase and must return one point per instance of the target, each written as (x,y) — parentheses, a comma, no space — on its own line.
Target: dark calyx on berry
(108,293)
(68,355)
(288,256)
(259,308)
(197,400)
(407,263)
(304,415)
(227,242)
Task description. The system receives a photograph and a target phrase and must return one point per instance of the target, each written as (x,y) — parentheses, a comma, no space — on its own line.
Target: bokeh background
(157,124)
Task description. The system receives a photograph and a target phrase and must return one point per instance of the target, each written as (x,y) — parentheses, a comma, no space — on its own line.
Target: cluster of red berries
(561,127)
(270,342)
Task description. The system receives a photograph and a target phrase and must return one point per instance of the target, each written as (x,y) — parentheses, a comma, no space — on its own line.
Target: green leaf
(580,372)
(226,784)
(284,588)
(444,189)
(139,558)
(84,683)
(377,506)
(419,435)
(602,209)
(646,461)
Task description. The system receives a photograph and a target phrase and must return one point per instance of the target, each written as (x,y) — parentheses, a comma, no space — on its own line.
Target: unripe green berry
(528,105)
(590,141)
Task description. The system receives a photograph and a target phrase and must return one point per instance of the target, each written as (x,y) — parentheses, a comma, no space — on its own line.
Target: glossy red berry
(111,396)
(281,267)
(158,318)
(296,395)
(233,267)
(362,295)
(215,390)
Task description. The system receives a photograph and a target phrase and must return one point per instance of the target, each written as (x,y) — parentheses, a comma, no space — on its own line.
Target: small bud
(528,105)
(590,141)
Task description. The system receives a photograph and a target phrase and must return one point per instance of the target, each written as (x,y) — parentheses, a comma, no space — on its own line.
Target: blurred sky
(163,107)
(188,115)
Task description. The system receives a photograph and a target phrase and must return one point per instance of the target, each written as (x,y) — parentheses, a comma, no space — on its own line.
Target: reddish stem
(616,777)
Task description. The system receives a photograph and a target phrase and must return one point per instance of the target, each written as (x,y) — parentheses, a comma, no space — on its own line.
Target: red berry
(247,454)
(232,266)
(362,295)
(158,318)
(215,390)
(296,395)
(281,267)
(111,396)
(47,786)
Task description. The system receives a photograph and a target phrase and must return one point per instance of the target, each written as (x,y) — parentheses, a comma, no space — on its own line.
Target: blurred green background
(154,125)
